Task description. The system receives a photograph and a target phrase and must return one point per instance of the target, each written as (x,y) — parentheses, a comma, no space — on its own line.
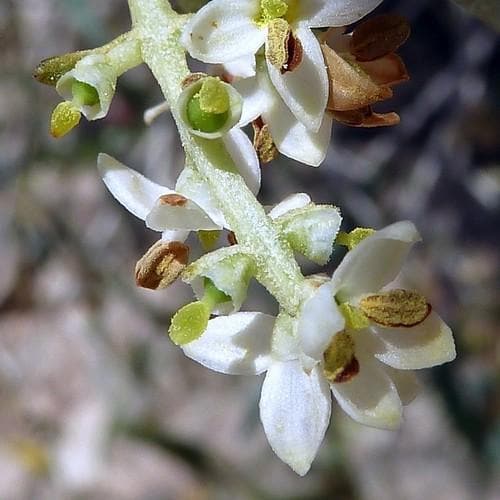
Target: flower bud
(210,107)
(90,85)
(229,270)
(311,230)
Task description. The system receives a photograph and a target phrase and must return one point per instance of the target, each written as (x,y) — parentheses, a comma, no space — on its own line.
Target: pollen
(65,117)
(340,363)
(272,9)
(396,308)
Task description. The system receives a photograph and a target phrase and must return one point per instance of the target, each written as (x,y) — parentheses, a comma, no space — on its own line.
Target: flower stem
(158,28)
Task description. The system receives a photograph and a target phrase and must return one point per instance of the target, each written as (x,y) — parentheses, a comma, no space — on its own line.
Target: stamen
(277,42)
(396,308)
(263,142)
(379,36)
(65,117)
(161,264)
(173,200)
(340,363)
(354,238)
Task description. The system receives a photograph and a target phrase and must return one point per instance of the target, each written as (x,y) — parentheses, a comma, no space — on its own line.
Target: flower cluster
(289,68)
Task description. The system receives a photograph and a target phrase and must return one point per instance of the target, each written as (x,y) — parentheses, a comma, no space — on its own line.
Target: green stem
(158,28)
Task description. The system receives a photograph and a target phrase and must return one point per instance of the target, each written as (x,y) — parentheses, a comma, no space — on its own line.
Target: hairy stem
(158,27)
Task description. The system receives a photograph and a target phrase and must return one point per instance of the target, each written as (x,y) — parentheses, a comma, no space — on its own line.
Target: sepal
(311,230)
(229,269)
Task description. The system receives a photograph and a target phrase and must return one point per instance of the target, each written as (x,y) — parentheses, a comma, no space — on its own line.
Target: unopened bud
(50,70)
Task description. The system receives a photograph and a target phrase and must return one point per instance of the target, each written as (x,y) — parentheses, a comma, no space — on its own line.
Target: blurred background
(96,403)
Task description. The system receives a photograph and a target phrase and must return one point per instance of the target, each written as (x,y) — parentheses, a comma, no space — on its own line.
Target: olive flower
(353,338)
(224,30)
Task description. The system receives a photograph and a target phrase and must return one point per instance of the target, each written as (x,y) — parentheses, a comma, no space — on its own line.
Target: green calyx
(213,296)
(189,323)
(84,94)
(271,9)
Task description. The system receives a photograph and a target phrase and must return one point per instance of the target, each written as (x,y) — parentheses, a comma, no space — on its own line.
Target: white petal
(326,13)
(375,262)
(239,344)
(178,235)
(241,150)
(428,344)
(223,31)
(191,185)
(295,412)
(305,89)
(319,320)
(134,191)
(256,99)
(406,383)
(190,216)
(292,139)
(243,67)
(370,397)
(297,200)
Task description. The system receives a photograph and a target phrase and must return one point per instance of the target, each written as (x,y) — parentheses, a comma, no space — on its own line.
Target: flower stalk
(158,29)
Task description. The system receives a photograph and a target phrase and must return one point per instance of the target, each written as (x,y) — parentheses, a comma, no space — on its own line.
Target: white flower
(297,354)
(225,30)
(191,206)
(289,135)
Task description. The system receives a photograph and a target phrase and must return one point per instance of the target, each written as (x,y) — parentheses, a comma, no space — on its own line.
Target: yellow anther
(277,42)
(354,317)
(396,308)
(65,118)
(213,96)
(340,363)
(354,238)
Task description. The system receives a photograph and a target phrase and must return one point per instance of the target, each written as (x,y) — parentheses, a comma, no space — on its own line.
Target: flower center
(271,9)
(396,308)
(340,363)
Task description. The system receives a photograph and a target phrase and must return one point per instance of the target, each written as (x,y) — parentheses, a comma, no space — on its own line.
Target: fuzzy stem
(158,28)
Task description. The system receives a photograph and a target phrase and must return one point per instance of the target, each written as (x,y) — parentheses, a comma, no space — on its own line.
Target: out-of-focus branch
(487,10)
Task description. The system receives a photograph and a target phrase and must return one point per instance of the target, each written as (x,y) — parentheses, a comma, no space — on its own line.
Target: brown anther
(161,264)
(396,308)
(174,200)
(350,87)
(263,142)
(231,238)
(365,118)
(348,372)
(379,36)
(340,364)
(192,78)
(295,54)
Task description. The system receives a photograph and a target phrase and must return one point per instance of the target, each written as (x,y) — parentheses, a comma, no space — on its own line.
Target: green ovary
(203,121)
(84,94)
